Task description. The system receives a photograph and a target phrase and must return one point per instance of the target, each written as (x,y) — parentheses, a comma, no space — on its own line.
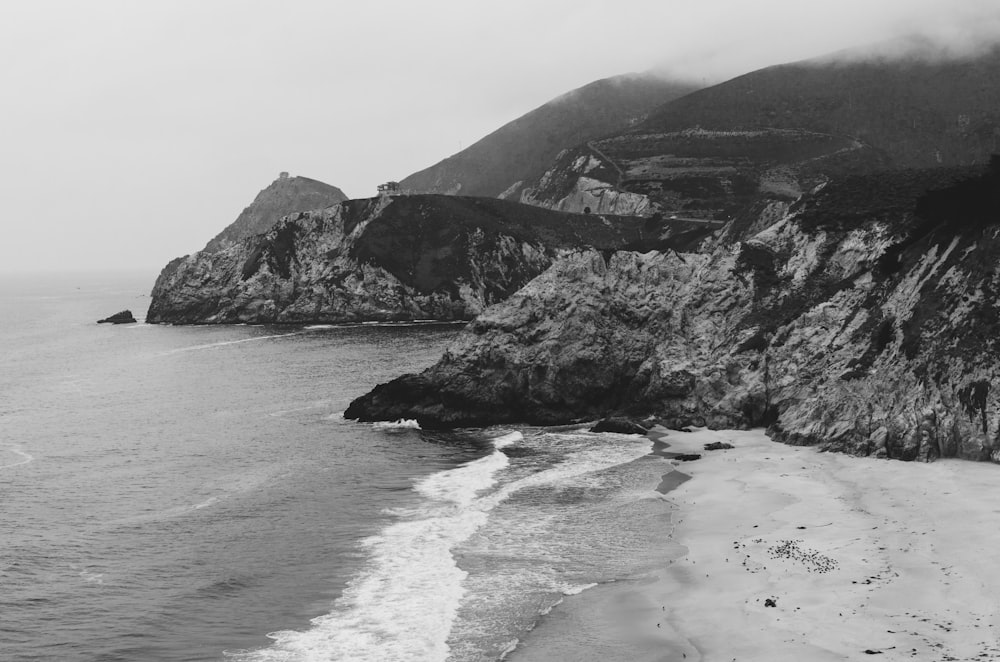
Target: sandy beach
(787,553)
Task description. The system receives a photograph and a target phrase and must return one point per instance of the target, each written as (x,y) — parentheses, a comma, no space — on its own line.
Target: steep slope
(521,150)
(283,196)
(390,258)
(865,320)
(777,132)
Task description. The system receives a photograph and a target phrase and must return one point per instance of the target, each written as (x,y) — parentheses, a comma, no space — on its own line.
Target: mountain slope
(779,131)
(523,148)
(283,196)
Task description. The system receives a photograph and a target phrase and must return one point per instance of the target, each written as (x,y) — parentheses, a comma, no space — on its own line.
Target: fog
(133,132)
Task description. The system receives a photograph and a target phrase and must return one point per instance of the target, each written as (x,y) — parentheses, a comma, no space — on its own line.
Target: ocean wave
(405,602)
(400,424)
(578,589)
(402,605)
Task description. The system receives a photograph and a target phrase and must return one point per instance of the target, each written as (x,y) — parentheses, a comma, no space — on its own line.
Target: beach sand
(860,558)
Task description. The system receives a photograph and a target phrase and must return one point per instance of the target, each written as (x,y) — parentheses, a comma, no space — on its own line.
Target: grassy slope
(919,113)
(523,148)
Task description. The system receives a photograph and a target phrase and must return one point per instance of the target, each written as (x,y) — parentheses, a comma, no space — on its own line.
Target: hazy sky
(134,131)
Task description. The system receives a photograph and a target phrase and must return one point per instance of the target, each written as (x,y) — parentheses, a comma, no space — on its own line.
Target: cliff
(392,258)
(863,318)
(283,196)
(520,151)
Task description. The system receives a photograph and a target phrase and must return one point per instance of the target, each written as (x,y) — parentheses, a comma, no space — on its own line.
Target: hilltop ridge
(498,164)
(283,196)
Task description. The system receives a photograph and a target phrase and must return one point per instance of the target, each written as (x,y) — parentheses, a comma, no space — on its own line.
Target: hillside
(283,196)
(777,132)
(521,150)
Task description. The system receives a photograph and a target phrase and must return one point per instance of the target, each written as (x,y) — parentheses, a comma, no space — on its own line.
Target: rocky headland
(416,257)
(862,318)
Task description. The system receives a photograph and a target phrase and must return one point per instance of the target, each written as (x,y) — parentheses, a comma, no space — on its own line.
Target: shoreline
(787,553)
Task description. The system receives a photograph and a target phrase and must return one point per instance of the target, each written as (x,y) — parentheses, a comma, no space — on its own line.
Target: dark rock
(770,602)
(687,457)
(619,425)
(717,446)
(124,317)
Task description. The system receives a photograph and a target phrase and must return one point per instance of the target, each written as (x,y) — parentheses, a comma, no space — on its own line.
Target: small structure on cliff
(389,188)
(283,175)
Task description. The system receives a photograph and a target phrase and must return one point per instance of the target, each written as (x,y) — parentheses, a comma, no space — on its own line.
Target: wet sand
(791,554)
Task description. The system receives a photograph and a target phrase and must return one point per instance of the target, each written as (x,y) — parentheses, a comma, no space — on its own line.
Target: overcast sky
(134,131)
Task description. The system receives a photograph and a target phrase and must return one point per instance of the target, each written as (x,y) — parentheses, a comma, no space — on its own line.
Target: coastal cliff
(862,318)
(417,257)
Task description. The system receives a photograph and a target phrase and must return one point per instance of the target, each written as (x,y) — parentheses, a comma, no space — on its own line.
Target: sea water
(194,493)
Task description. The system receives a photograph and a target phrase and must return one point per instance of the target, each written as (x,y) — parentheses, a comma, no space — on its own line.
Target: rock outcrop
(385,259)
(283,196)
(865,319)
(123,317)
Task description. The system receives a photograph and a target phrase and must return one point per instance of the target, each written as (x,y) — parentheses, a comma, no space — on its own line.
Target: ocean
(194,493)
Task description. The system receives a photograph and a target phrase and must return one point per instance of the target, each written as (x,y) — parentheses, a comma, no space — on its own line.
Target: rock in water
(124,317)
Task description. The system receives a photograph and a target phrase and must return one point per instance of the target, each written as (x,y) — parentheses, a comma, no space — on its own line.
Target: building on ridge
(389,188)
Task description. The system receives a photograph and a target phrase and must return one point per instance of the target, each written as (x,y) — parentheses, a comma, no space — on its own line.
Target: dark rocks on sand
(717,446)
(619,425)
(687,457)
(770,602)
(124,317)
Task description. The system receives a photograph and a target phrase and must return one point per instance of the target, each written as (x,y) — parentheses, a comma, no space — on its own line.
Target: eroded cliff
(393,258)
(864,319)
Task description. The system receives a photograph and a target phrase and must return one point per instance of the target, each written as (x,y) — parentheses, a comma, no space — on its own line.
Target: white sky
(133,131)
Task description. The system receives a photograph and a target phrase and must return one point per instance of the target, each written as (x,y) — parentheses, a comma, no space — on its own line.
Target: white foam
(576,590)
(25,458)
(404,603)
(224,343)
(211,501)
(402,606)
(402,423)
(507,439)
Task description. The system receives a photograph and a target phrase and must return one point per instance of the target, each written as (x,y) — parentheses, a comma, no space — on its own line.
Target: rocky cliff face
(399,258)
(864,319)
(283,196)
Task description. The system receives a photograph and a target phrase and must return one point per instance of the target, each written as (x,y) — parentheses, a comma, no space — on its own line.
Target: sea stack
(123,317)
